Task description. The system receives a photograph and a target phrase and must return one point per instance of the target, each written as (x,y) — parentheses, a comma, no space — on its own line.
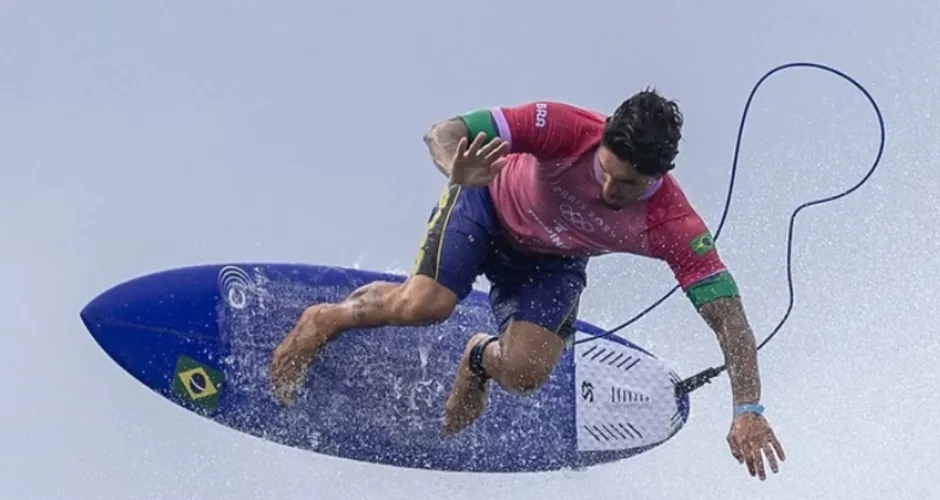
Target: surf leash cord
(705,376)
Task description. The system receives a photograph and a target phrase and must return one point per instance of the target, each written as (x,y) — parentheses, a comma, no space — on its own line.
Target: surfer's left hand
(750,439)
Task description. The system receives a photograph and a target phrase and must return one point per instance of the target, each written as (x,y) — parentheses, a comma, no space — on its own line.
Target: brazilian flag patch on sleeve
(196,384)
(703,244)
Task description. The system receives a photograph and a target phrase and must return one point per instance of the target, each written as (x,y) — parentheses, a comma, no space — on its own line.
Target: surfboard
(202,337)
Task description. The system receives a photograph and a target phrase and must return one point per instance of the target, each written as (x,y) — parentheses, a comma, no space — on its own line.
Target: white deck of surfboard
(625,398)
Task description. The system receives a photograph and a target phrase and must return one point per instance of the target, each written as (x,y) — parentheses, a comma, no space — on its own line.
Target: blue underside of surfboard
(202,337)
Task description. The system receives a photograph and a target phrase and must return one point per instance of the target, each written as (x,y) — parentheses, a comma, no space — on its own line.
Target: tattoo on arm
(726,317)
(441,140)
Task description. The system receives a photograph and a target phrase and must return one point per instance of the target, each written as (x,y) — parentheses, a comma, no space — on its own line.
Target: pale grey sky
(136,137)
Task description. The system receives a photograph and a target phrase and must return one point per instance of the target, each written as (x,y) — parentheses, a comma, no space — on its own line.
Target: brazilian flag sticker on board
(197,384)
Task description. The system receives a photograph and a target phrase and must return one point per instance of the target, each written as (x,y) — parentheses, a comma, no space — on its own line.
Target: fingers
(461,147)
(735,448)
(754,457)
(772,451)
(480,148)
(752,451)
(497,165)
(494,149)
(477,162)
(777,447)
(742,451)
(744,454)
(756,462)
(476,144)
(771,459)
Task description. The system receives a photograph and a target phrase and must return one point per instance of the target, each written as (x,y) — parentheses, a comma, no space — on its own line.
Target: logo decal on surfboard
(196,383)
(238,288)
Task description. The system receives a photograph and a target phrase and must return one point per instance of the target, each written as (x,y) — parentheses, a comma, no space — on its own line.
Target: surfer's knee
(422,301)
(528,355)
(523,376)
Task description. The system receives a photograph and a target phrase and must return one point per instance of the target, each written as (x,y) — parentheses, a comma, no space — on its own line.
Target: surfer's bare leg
(419,301)
(416,302)
(451,255)
(520,361)
(536,303)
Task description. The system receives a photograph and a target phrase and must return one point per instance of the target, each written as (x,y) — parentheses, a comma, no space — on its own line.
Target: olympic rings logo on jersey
(575,217)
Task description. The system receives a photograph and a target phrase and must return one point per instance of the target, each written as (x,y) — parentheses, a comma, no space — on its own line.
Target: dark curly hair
(645,130)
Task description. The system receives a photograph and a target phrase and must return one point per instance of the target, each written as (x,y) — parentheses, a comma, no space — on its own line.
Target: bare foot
(294,355)
(467,397)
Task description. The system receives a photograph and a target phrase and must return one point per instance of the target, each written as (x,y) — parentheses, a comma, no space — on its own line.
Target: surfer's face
(622,183)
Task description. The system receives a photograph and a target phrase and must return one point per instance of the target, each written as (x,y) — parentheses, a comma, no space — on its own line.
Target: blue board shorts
(464,240)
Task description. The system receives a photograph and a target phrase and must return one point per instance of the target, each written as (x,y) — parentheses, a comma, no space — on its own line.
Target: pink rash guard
(548,197)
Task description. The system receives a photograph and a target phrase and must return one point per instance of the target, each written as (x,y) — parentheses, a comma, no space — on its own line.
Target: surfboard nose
(144,323)
(102,309)
(90,313)
(154,302)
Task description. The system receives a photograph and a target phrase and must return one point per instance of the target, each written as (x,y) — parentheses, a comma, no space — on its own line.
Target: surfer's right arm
(545,129)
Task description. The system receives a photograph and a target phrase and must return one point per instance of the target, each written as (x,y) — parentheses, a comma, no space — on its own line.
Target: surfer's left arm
(725,315)
(686,244)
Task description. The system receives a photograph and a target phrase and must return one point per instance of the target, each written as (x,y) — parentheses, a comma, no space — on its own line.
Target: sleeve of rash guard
(687,246)
(546,129)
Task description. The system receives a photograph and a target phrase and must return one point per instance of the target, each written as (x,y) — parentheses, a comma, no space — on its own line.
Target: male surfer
(533,192)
